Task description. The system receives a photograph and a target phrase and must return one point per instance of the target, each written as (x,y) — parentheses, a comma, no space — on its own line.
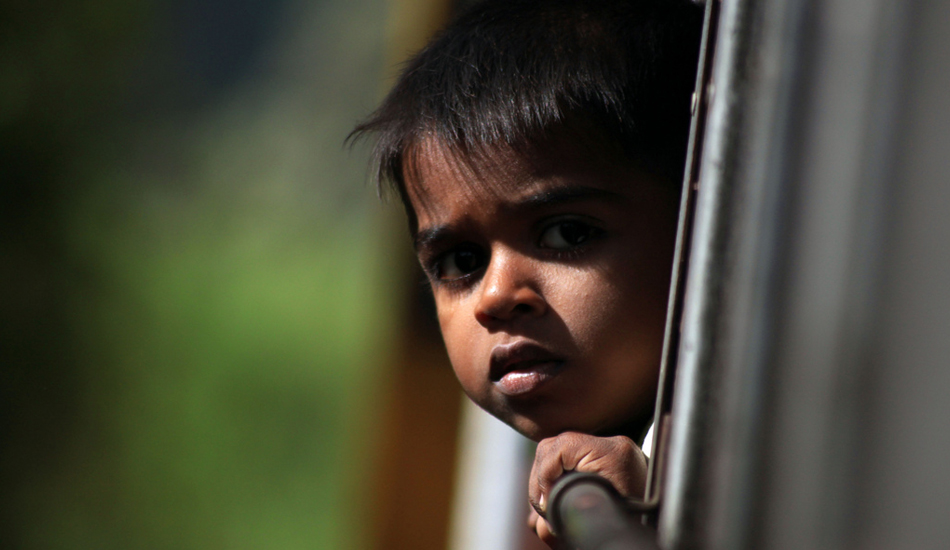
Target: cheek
(591,306)
(613,309)
(460,343)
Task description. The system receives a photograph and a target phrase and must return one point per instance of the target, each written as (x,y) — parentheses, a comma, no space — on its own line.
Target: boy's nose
(509,289)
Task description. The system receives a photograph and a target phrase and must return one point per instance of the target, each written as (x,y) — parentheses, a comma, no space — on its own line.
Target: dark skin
(550,272)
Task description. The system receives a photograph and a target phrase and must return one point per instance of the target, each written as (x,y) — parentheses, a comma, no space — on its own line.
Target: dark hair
(509,72)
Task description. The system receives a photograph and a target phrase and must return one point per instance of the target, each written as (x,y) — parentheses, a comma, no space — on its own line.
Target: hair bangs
(511,73)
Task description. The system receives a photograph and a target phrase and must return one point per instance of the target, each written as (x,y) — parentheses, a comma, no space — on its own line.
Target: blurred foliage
(197,297)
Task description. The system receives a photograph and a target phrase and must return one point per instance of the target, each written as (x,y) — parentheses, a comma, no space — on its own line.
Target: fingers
(532,519)
(537,524)
(618,459)
(544,533)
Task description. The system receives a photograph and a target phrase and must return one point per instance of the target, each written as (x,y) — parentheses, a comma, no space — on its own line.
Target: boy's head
(538,148)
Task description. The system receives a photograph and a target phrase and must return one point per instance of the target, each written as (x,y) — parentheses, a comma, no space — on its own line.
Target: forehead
(443,182)
(438,176)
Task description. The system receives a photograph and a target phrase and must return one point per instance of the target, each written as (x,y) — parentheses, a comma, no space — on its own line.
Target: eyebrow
(561,195)
(430,237)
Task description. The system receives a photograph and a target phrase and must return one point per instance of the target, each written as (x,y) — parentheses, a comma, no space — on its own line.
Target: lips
(522,367)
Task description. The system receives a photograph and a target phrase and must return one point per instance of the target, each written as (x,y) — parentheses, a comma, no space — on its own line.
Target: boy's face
(550,275)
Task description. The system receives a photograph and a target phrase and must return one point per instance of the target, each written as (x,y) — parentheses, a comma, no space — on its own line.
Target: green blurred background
(204,304)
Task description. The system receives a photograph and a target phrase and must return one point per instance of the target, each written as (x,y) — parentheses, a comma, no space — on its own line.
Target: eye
(458,263)
(566,234)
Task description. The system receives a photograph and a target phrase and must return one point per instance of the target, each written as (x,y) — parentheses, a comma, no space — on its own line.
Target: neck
(634,429)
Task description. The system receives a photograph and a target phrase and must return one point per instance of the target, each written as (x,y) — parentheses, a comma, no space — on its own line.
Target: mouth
(522,367)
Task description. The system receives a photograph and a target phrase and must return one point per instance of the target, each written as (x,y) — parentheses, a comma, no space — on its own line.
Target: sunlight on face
(550,275)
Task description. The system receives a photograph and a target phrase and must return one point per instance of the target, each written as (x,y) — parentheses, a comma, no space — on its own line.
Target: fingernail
(541,503)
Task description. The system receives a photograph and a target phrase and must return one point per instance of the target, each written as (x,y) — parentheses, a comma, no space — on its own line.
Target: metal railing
(589,514)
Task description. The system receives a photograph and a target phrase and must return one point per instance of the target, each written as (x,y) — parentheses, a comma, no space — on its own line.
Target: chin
(530,429)
(537,431)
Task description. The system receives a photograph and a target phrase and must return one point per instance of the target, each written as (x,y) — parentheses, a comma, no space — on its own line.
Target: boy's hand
(537,524)
(618,459)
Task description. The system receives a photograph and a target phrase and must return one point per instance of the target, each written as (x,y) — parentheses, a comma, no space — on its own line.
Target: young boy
(538,148)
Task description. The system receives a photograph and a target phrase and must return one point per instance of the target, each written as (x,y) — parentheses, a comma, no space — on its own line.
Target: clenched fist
(618,459)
